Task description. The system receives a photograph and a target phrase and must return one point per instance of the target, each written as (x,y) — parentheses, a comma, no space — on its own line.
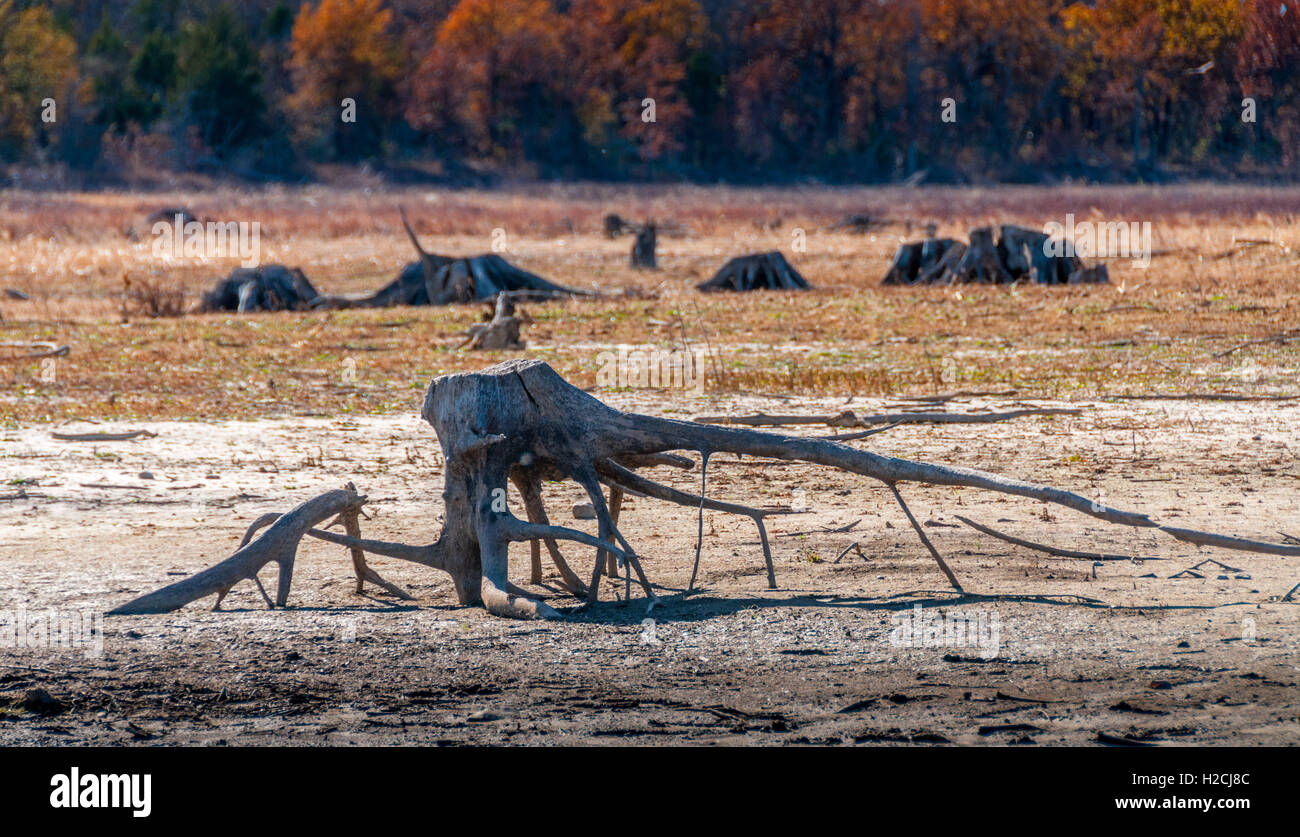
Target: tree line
(740,90)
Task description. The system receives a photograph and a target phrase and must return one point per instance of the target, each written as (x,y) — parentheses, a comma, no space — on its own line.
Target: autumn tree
(492,76)
(788,87)
(37,62)
(999,65)
(826,82)
(632,64)
(1268,62)
(1162,64)
(344,65)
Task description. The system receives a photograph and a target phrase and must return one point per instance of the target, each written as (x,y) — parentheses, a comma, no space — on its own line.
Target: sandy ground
(1069,653)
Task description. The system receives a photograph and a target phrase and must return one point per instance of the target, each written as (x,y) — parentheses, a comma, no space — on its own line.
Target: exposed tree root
(278,544)
(519,421)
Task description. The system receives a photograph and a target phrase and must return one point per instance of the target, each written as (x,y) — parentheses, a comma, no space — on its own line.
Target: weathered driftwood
(270,287)
(520,421)
(848,418)
(762,271)
(128,436)
(278,544)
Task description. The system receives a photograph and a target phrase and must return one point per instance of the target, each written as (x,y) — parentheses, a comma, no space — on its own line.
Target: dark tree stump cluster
(761,271)
(1019,254)
(270,287)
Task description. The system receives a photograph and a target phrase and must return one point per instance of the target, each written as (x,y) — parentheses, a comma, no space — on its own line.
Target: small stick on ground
(850,419)
(699,540)
(615,506)
(1199,396)
(1051,550)
(37,350)
(837,531)
(1280,337)
(1220,564)
(103,437)
(849,437)
(767,551)
(845,551)
(943,565)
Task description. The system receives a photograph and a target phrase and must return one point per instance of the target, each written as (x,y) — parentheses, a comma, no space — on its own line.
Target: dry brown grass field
(257,413)
(1153,330)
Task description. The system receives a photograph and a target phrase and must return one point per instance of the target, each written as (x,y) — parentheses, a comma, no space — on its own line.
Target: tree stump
(500,332)
(616,226)
(444,280)
(981,262)
(924,262)
(762,271)
(270,287)
(643,249)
